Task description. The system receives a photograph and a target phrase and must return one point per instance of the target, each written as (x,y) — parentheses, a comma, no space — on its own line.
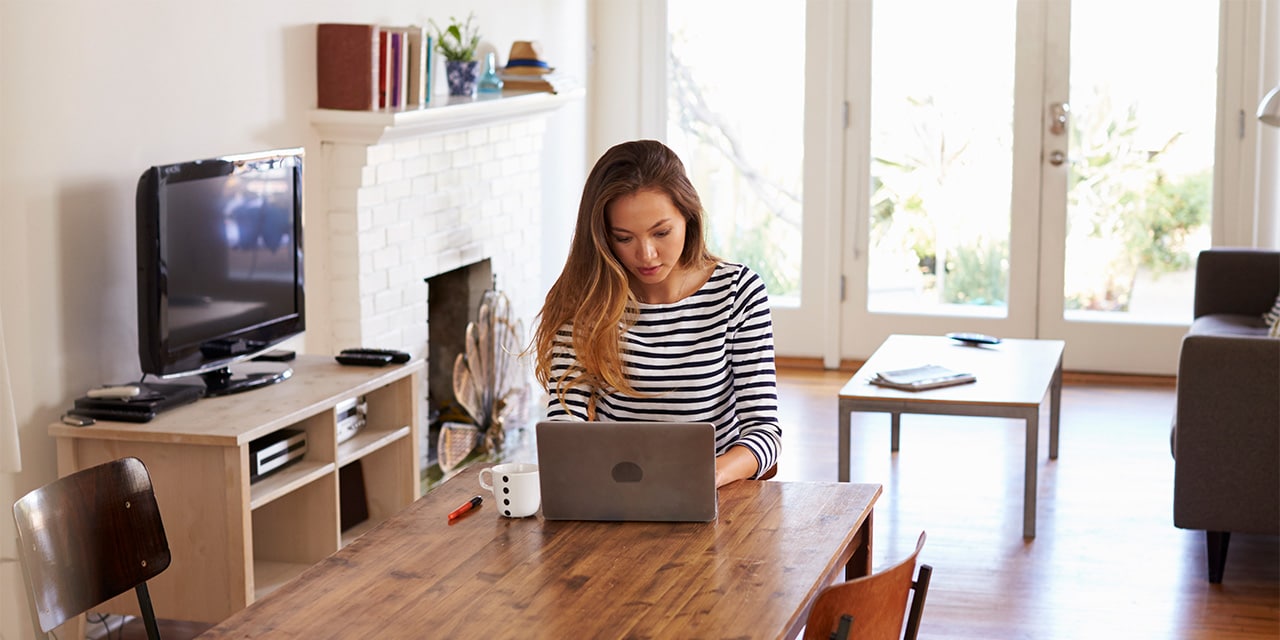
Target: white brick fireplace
(395,198)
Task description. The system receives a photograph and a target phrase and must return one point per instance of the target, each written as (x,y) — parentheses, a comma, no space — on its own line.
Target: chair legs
(148,614)
(921,589)
(1217,542)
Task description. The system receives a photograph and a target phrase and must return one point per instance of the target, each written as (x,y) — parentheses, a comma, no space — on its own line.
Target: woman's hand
(737,463)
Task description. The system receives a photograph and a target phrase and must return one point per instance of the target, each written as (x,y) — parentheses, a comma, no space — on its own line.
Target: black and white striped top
(706,358)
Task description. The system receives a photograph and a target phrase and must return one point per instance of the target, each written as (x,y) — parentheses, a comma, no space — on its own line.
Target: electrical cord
(102,619)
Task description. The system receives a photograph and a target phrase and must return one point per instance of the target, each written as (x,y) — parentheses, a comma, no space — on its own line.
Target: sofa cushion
(1229,324)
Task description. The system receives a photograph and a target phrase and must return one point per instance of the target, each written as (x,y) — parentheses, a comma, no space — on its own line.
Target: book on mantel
(928,376)
(368,67)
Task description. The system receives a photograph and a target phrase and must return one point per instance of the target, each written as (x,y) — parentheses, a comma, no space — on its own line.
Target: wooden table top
(752,573)
(1016,372)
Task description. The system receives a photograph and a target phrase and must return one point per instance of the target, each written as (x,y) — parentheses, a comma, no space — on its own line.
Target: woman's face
(646,233)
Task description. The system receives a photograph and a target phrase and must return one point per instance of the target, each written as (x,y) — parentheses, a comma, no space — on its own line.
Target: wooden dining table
(753,572)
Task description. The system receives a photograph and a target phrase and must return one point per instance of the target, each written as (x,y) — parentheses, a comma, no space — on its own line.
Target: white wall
(92,93)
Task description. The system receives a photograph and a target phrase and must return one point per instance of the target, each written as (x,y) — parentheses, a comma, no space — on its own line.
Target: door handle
(1058,113)
(1057,158)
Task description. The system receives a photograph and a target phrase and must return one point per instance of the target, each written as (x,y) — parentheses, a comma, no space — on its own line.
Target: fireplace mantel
(442,115)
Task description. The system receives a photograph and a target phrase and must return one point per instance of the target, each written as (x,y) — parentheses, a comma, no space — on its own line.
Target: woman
(644,324)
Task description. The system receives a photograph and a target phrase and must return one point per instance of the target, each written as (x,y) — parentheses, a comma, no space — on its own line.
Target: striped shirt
(706,358)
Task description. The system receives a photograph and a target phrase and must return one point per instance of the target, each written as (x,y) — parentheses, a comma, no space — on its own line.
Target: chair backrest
(88,537)
(876,604)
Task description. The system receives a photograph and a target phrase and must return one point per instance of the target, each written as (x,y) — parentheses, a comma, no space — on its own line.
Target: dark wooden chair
(88,537)
(872,607)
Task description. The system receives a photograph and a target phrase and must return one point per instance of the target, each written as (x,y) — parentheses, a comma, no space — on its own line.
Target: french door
(1022,168)
(1026,168)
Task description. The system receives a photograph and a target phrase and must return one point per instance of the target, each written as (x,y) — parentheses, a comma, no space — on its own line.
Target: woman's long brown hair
(592,293)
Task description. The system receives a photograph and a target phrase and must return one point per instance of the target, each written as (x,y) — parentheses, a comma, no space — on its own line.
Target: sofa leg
(1217,542)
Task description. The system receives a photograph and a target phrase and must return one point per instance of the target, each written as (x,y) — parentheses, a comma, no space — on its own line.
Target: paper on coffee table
(926,376)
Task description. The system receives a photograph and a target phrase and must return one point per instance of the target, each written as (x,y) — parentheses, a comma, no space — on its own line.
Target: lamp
(1269,108)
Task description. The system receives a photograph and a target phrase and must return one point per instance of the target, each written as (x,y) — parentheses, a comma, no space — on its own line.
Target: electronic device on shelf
(147,400)
(118,414)
(219,252)
(351,417)
(275,451)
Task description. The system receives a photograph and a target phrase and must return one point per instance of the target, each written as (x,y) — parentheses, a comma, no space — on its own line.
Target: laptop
(627,471)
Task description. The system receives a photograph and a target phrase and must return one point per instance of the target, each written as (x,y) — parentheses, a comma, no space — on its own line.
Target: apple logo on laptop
(627,472)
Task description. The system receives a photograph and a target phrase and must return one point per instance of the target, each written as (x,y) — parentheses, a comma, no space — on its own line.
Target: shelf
(285,481)
(358,530)
(239,540)
(442,115)
(368,441)
(269,576)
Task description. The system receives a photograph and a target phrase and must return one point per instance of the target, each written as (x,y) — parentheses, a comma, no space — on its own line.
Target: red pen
(466,506)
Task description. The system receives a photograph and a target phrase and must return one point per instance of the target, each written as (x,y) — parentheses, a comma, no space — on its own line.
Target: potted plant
(457,43)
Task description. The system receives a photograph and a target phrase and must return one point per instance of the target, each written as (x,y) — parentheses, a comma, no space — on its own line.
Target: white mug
(515,487)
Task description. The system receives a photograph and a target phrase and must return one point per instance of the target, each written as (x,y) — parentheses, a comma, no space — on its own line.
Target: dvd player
(275,451)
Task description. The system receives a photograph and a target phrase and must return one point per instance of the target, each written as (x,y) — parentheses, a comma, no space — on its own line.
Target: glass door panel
(735,115)
(1140,187)
(758,130)
(943,170)
(1127,195)
(942,106)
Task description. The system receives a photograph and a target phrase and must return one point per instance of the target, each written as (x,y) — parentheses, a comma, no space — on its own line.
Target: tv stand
(232,540)
(243,376)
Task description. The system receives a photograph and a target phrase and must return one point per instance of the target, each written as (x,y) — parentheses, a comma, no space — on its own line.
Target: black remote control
(398,357)
(364,359)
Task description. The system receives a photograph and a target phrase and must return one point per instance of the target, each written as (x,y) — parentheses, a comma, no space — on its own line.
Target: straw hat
(526,59)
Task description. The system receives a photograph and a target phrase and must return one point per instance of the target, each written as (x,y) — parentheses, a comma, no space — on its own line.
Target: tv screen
(219,265)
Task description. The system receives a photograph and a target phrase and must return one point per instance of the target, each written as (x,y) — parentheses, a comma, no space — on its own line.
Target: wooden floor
(1107,561)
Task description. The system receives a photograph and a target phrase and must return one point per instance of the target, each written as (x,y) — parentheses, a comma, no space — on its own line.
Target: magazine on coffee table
(928,376)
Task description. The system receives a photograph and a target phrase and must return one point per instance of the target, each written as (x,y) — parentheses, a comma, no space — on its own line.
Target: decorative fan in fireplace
(486,376)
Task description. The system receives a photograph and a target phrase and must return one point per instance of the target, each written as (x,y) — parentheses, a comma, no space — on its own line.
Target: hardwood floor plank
(1107,561)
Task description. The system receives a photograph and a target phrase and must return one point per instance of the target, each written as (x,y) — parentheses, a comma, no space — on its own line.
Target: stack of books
(370,67)
(927,376)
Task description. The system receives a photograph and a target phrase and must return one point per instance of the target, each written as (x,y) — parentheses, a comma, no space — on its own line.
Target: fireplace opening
(453,299)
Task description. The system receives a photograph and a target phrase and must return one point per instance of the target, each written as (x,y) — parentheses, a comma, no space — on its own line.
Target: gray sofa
(1226,438)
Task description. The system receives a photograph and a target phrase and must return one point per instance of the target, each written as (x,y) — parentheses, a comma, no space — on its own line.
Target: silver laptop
(639,471)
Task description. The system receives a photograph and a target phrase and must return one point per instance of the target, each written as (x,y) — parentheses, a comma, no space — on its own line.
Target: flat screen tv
(220,267)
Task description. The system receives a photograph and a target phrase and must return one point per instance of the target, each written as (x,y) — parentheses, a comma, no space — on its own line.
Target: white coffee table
(1014,378)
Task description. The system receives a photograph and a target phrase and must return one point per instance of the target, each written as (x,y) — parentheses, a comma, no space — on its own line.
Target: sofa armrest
(1236,281)
(1227,439)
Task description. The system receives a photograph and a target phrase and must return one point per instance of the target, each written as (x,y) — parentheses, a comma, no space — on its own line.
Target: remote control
(398,357)
(122,391)
(974,338)
(364,359)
